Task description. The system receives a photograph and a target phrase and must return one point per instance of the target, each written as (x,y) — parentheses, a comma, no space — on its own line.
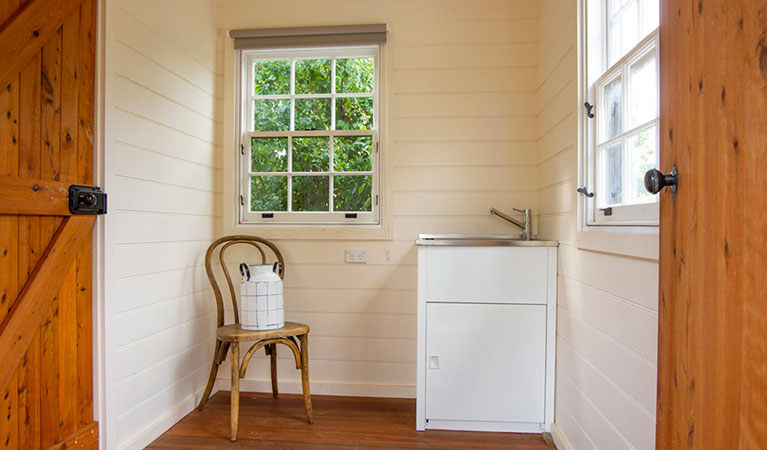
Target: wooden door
(712,361)
(47,50)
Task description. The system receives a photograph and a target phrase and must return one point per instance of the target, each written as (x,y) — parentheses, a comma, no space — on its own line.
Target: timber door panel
(712,360)
(47,57)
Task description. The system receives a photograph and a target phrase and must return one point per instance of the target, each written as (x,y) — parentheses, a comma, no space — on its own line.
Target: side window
(621,82)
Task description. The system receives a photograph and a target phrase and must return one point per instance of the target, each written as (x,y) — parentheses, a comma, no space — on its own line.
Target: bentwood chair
(228,337)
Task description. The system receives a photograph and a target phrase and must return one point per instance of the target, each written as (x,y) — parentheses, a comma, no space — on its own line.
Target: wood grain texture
(33,197)
(340,422)
(712,368)
(86,437)
(37,295)
(30,28)
(46,108)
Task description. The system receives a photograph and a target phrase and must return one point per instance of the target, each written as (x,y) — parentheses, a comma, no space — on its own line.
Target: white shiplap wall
(607,316)
(163,176)
(461,138)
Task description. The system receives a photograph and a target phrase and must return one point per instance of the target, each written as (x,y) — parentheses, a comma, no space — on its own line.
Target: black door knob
(88,200)
(655,180)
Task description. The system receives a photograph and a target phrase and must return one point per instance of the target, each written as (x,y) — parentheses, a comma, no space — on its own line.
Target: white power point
(356,255)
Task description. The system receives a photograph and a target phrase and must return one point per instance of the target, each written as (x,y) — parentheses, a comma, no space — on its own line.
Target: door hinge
(377,146)
(376,199)
(87,200)
(242,200)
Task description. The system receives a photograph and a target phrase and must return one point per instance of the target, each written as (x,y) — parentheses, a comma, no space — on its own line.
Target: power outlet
(356,255)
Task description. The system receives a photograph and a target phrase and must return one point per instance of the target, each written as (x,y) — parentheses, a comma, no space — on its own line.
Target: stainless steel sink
(482,240)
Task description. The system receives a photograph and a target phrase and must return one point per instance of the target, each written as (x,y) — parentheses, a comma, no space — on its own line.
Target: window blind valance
(297,37)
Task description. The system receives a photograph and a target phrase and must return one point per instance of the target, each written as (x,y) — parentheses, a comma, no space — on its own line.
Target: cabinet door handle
(433,361)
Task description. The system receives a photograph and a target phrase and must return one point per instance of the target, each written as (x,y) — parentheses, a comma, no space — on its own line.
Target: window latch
(242,149)
(242,200)
(583,190)
(589,110)
(607,211)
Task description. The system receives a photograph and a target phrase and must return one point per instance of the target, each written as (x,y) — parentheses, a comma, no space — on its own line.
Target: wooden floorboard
(339,422)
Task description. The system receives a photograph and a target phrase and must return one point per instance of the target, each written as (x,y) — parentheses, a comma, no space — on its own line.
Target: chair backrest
(221,246)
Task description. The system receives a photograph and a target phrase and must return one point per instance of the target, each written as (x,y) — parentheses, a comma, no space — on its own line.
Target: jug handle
(245,269)
(274,268)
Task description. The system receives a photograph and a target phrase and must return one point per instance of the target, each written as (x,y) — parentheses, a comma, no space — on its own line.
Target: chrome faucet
(525,224)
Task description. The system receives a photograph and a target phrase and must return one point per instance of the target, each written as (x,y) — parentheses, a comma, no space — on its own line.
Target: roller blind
(309,36)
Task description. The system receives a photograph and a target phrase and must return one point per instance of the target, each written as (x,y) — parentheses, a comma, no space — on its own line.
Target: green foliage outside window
(311,154)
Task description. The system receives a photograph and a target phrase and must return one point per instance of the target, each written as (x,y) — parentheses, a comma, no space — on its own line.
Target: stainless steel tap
(525,225)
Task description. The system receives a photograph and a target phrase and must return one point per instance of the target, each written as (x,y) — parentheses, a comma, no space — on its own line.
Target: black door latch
(87,200)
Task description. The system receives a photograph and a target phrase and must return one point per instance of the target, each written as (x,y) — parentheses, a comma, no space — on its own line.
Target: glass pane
(643,156)
(650,16)
(268,193)
(611,176)
(612,124)
(643,94)
(353,154)
(271,78)
(271,115)
(354,113)
(313,76)
(352,193)
(269,154)
(312,114)
(311,154)
(624,33)
(355,75)
(311,193)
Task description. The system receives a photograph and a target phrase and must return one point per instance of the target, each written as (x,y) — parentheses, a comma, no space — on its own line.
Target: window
(621,80)
(309,136)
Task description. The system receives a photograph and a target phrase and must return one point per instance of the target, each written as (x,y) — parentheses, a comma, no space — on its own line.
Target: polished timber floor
(339,422)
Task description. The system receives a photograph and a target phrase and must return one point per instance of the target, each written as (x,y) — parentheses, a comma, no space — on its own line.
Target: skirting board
(163,424)
(321,388)
(560,440)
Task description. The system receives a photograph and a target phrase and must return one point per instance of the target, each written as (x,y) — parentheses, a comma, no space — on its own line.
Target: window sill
(637,242)
(311,232)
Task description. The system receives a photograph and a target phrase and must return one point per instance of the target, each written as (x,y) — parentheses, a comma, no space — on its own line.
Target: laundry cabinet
(486,333)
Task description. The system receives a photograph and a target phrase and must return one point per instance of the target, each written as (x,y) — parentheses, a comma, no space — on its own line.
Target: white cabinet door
(485,362)
(487,274)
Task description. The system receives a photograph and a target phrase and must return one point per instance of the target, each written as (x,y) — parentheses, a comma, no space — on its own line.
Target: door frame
(98,240)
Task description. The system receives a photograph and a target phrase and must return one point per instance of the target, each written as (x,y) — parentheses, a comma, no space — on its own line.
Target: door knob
(655,180)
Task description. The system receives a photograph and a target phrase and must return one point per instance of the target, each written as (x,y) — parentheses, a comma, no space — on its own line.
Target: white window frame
(638,217)
(246,97)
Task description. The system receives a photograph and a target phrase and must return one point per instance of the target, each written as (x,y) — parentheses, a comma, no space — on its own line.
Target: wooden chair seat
(293,335)
(235,333)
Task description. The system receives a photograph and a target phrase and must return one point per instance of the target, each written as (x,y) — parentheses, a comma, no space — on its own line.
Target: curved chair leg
(273,357)
(235,408)
(211,378)
(304,338)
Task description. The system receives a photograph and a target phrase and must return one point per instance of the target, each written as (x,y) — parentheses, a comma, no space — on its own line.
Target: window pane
(313,76)
(352,154)
(352,193)
(271,115)
(312,114)
(354,113)
(643,95)
(611,176)
(311,154)
(271,77)
(354,75)
(311,193)
(268,193)
(642,157)
(650,16)
(269,154)
(612,124)
(624,33)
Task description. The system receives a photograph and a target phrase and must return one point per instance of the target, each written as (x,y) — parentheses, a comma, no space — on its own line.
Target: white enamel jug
(262,306)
